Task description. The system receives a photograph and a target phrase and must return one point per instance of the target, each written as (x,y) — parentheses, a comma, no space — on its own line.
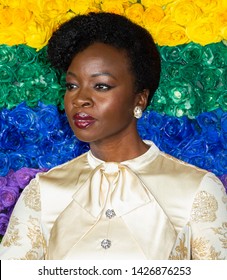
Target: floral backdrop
(187,117)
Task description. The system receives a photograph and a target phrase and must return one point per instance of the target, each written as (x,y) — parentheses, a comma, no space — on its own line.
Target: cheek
(118,112)
(67,103)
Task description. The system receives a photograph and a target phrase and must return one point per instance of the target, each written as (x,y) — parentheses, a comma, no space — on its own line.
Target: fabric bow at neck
(124,188)
(120,187)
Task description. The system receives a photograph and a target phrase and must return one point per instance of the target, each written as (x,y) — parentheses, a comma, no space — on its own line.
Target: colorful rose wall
(187,117)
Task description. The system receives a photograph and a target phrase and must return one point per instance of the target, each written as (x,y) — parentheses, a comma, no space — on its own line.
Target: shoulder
(176,185)
(63,179)
(173,164)
(74,163)
(200,178)
(184,179)
(161,163)
(172,172)
(70,169)
(57,186)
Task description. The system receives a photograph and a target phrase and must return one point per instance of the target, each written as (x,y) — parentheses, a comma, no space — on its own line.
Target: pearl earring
(138,112)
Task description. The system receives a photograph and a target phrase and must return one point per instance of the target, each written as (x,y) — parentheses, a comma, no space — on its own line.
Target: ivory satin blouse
(151,207)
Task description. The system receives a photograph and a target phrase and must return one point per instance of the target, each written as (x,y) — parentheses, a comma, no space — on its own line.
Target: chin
(84,138)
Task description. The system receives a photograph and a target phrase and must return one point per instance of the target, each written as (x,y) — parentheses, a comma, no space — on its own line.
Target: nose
(82,99)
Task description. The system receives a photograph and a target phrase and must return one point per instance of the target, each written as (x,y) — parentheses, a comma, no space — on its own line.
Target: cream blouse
(151,207)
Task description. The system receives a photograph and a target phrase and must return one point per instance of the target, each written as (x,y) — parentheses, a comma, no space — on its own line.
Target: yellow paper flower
(12,35)
(39,34)
(223,33)
(132,1)
(116,6)
(49,9)
(135,13)
(6,16)
(183,11)
(61,18)
(203,31)
(161,3)
(207,5)
(124,3)
(222,4)
(83,6)
(151,17)
(170,34)
(171,22)
(221,18)
(13,3)
(13,25)
(21,18)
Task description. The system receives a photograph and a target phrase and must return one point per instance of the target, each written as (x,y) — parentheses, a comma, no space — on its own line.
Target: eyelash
(99,86)
(103,87)
(70,86)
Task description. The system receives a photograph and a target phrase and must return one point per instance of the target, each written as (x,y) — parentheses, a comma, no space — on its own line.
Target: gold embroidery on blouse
(201,250)
(34,233)
(180,252)
(12,237)
(31,197)
(30,255)
(204,207)
(222,232)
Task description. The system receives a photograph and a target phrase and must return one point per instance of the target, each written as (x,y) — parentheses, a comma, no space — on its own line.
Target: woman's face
(100,96)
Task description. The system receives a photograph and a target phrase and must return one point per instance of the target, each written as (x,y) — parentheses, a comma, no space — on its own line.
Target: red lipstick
(83,120)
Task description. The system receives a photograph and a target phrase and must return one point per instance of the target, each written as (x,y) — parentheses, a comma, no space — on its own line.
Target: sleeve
(23,239)
(208,221)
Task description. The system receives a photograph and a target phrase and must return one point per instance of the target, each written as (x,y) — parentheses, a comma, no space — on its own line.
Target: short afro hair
(118,31)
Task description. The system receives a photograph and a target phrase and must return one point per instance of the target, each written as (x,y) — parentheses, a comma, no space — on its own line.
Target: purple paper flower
(4,220)
(2,207)
(11,180)
(9,196)
(24,175)
(3,181)
(223,179)
(11,187)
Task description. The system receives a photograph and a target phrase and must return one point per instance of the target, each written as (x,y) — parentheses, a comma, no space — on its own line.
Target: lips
(83,120)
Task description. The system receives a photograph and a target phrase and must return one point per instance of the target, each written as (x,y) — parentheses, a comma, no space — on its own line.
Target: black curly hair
(118,31)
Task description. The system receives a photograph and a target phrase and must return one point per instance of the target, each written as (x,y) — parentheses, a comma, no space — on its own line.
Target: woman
(124,199)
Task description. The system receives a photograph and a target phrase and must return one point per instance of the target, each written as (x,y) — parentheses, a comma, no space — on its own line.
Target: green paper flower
(8,56)
(26,54)
(222,100)
(6,74)
(191,53)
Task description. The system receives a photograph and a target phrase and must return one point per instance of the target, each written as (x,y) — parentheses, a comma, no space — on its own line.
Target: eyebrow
(94,75)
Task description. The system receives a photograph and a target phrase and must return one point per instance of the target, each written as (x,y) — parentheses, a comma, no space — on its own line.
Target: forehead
(103,52)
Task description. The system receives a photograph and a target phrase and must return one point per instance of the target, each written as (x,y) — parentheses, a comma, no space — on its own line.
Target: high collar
(135,163)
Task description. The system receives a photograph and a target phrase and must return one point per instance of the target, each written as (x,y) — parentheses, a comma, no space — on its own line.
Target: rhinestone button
(110,213)
(106,243)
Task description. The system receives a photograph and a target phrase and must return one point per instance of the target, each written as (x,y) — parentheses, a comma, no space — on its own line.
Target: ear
(142,98)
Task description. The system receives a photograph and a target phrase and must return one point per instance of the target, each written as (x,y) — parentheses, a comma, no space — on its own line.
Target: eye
(103,87)
(70,86)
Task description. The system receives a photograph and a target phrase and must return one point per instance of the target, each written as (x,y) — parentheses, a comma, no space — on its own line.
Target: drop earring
(138,112)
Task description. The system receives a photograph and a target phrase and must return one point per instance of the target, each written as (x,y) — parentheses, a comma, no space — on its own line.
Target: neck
(119,150)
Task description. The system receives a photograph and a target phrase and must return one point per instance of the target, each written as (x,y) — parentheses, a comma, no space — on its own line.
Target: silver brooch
(110,213)
(106,243)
